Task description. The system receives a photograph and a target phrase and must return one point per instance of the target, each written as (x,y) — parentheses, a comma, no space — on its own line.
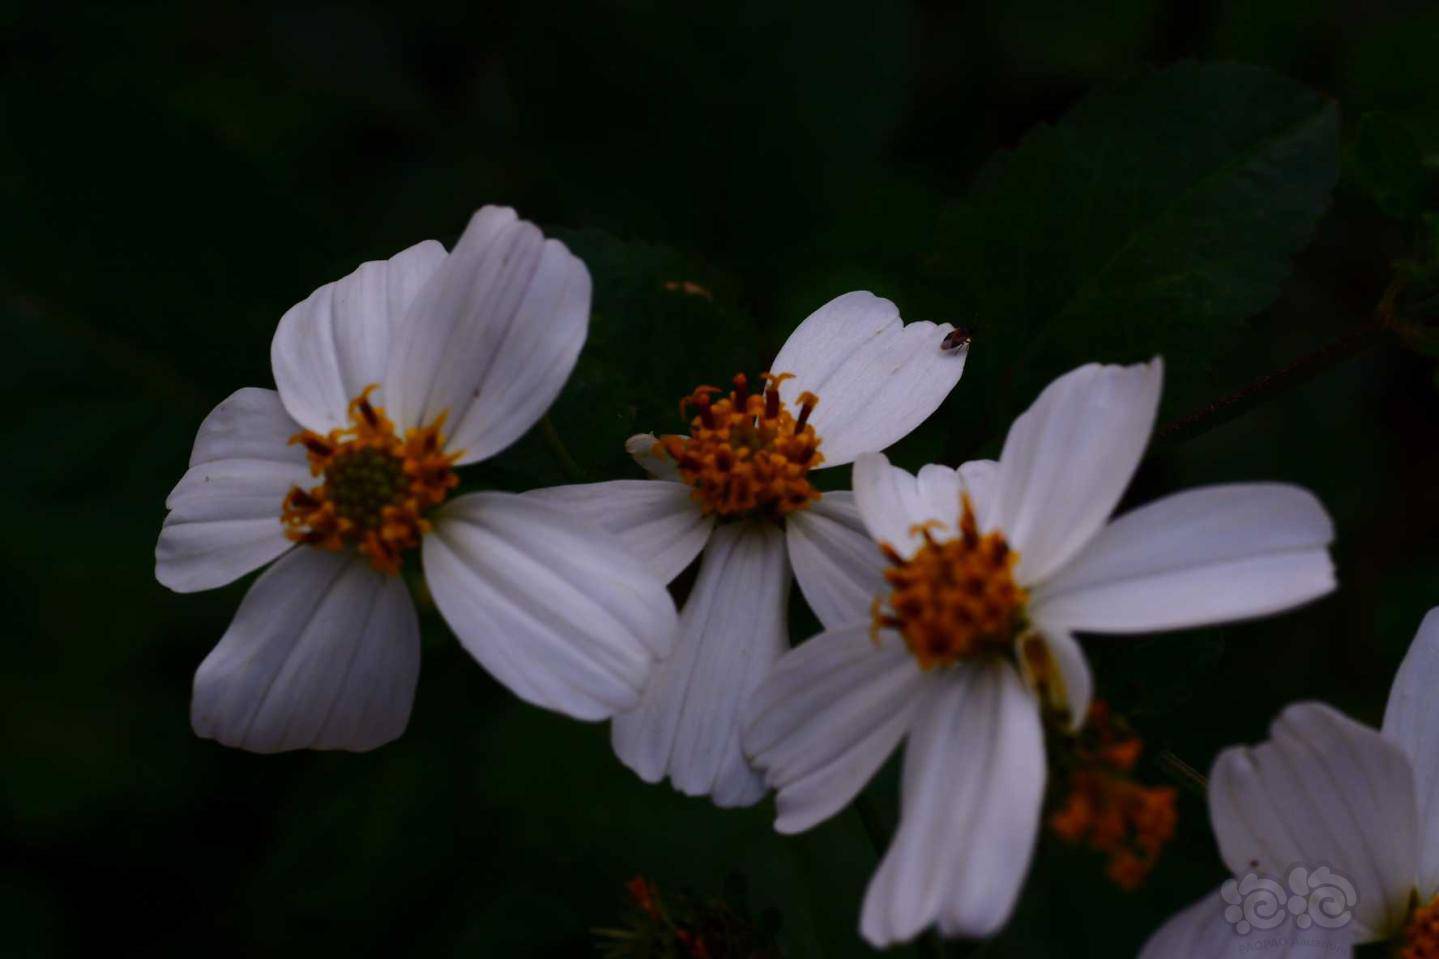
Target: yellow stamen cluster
(1106,809)
(746,455)
(377,486)
(953,599)
(1421,933)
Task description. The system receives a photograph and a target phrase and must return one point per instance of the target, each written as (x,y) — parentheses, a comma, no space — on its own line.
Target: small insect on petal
(956,339)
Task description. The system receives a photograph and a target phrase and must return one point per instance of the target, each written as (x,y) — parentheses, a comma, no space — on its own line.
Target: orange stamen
(1421,933)
(1107,810)
(746,455)
(952,599)
(377,486)
(645,895)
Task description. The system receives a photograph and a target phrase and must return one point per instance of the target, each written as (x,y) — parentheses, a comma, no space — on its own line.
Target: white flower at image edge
(463,351)
(1327,790)
(1036,560)
(876,379)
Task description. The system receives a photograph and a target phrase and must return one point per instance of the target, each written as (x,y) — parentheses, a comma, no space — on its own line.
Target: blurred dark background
(175,176)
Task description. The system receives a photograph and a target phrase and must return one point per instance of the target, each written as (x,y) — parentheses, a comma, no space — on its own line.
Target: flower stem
(1287,377)
(561,452)
(1183,772)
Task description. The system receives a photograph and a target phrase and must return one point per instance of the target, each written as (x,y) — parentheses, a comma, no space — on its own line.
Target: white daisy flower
(1326,791)
(851,378)
(992,568)
(465,351)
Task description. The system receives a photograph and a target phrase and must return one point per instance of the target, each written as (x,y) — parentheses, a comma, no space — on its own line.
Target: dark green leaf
(1392,67)
(1386,164)
(1152,219)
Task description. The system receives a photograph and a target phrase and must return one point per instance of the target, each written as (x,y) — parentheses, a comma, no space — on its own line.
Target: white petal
(827,716)
(876,378)
(250,424)
(224,518)
(895,504)
(1207,555)
(328,348)
(732,629)
(657,520)
(1059,653)
(324,653)
(1323,790)
(1068,458)
(974,774)
(556,609)
(1412,721)
(981,482)
(642,447)
(1201,931)
(839,567)
(492,338)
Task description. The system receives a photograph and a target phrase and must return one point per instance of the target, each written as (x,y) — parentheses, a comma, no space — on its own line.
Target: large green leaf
(1154,218)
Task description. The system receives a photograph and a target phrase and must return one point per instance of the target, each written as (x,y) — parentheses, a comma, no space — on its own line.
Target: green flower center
(363,482)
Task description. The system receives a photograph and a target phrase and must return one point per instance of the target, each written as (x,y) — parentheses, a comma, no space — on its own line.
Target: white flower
(851,378)
(993,567)
(466,350)
(1326,791)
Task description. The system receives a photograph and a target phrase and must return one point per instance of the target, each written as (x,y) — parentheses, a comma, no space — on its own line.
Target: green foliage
(1061,38)
(1386,163)
(1155,218)
(1391,67)
(542,865)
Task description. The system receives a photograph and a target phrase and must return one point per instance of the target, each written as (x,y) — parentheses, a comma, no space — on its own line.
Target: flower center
(953,599)
(1421,933)
(377,486)
(1106,809)
(746,455)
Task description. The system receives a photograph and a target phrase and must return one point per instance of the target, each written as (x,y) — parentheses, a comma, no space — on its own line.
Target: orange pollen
(377,486)
(645,895)
(746,455)
(1421,933)
(953,599)
(1107,810)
